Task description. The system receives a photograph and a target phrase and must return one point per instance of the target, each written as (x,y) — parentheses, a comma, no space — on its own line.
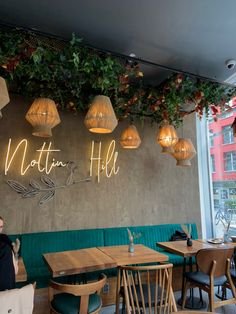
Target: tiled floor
(41,304)
(229,309)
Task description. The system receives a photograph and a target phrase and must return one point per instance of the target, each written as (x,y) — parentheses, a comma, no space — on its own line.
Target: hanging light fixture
(101,117)
(130,137)
(43,116)
(167,137)
(233,126)
(184,151)
(4,96)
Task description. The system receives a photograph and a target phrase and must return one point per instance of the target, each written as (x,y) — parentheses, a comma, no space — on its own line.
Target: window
(232,192)
(228,136)
(230,161)
(226,114)
(213,167)
(224,194)
(217,164)
(211,138)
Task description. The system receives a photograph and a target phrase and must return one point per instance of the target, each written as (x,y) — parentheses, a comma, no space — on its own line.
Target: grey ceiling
(195,36)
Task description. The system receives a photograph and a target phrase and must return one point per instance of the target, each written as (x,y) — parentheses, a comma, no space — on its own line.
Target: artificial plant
(72,74)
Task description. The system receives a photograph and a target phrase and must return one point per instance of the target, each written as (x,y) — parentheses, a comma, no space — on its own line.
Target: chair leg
(224,293)
(123,306)
(211,300)
(200,294)
(184,294)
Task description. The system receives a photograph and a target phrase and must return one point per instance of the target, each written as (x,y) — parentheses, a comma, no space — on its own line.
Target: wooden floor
(41,304)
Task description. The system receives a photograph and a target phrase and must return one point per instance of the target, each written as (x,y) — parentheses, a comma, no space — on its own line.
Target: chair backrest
(148,288)
(83,290)
(214,260)
(18,301)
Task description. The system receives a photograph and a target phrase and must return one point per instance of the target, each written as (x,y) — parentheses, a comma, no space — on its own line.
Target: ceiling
(186,35)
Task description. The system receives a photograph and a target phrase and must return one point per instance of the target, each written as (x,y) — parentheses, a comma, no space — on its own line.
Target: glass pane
(222,153)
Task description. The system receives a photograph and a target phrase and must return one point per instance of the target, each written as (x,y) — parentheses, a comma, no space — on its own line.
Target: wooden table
(228,244)
(121,256)
(22,274)
(142,254)
(181,248)
(77,261)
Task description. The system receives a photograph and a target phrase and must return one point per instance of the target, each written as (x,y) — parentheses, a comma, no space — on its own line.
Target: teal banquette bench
(34,245)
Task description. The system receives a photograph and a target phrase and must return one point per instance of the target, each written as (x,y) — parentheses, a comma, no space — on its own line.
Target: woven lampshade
(233,126)
(43,116)
(101,117)
(130,137)
(184,151)
(4,96)
(167,137)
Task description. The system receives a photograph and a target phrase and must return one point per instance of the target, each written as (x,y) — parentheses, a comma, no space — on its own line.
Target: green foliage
(72,74)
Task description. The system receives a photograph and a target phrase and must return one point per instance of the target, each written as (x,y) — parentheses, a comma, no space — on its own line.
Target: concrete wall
(149,188)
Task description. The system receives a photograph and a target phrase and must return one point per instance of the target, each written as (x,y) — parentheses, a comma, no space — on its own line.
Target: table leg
(118,291)
(180,301)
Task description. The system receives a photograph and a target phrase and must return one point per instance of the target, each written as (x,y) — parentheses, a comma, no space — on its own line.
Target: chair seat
(204,279)
(66,303)
(233,273)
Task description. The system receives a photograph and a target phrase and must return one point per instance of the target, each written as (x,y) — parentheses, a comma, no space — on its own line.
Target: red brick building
(223,158)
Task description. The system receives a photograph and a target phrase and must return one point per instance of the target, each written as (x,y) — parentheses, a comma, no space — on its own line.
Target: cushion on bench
(34,245)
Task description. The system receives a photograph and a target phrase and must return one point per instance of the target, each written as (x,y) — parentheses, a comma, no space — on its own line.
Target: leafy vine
(72,74)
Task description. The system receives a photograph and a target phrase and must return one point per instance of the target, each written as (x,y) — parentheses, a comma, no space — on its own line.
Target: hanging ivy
(72,74)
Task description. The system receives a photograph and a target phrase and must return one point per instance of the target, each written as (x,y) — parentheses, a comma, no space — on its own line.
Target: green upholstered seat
(34,245)
(66,303)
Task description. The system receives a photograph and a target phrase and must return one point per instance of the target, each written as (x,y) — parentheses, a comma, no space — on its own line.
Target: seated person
(8,263)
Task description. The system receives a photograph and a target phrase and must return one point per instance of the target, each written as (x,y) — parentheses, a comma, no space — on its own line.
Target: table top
(22,274)
(141,255)
(77,261)
(228,244)
(181,248)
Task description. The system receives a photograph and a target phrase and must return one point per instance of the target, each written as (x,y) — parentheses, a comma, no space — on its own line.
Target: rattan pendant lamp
(167,137)
(130,137)
(43,116)
(184,151)
(101,117)
(4,96)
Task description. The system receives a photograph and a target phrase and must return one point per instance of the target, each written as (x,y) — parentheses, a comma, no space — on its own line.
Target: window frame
(230,134)
(232,160)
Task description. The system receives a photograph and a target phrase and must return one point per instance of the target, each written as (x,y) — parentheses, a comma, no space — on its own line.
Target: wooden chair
(148,287)
(81,299)
(213,271)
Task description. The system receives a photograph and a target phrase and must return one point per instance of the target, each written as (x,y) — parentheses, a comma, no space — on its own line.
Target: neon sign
(44,153)
(43,162)
(110,159)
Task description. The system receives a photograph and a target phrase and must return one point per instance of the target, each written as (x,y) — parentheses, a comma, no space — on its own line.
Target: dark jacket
(7,271)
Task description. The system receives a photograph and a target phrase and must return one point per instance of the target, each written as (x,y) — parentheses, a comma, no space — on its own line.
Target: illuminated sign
(109,163)
(99,163)
(44,153)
